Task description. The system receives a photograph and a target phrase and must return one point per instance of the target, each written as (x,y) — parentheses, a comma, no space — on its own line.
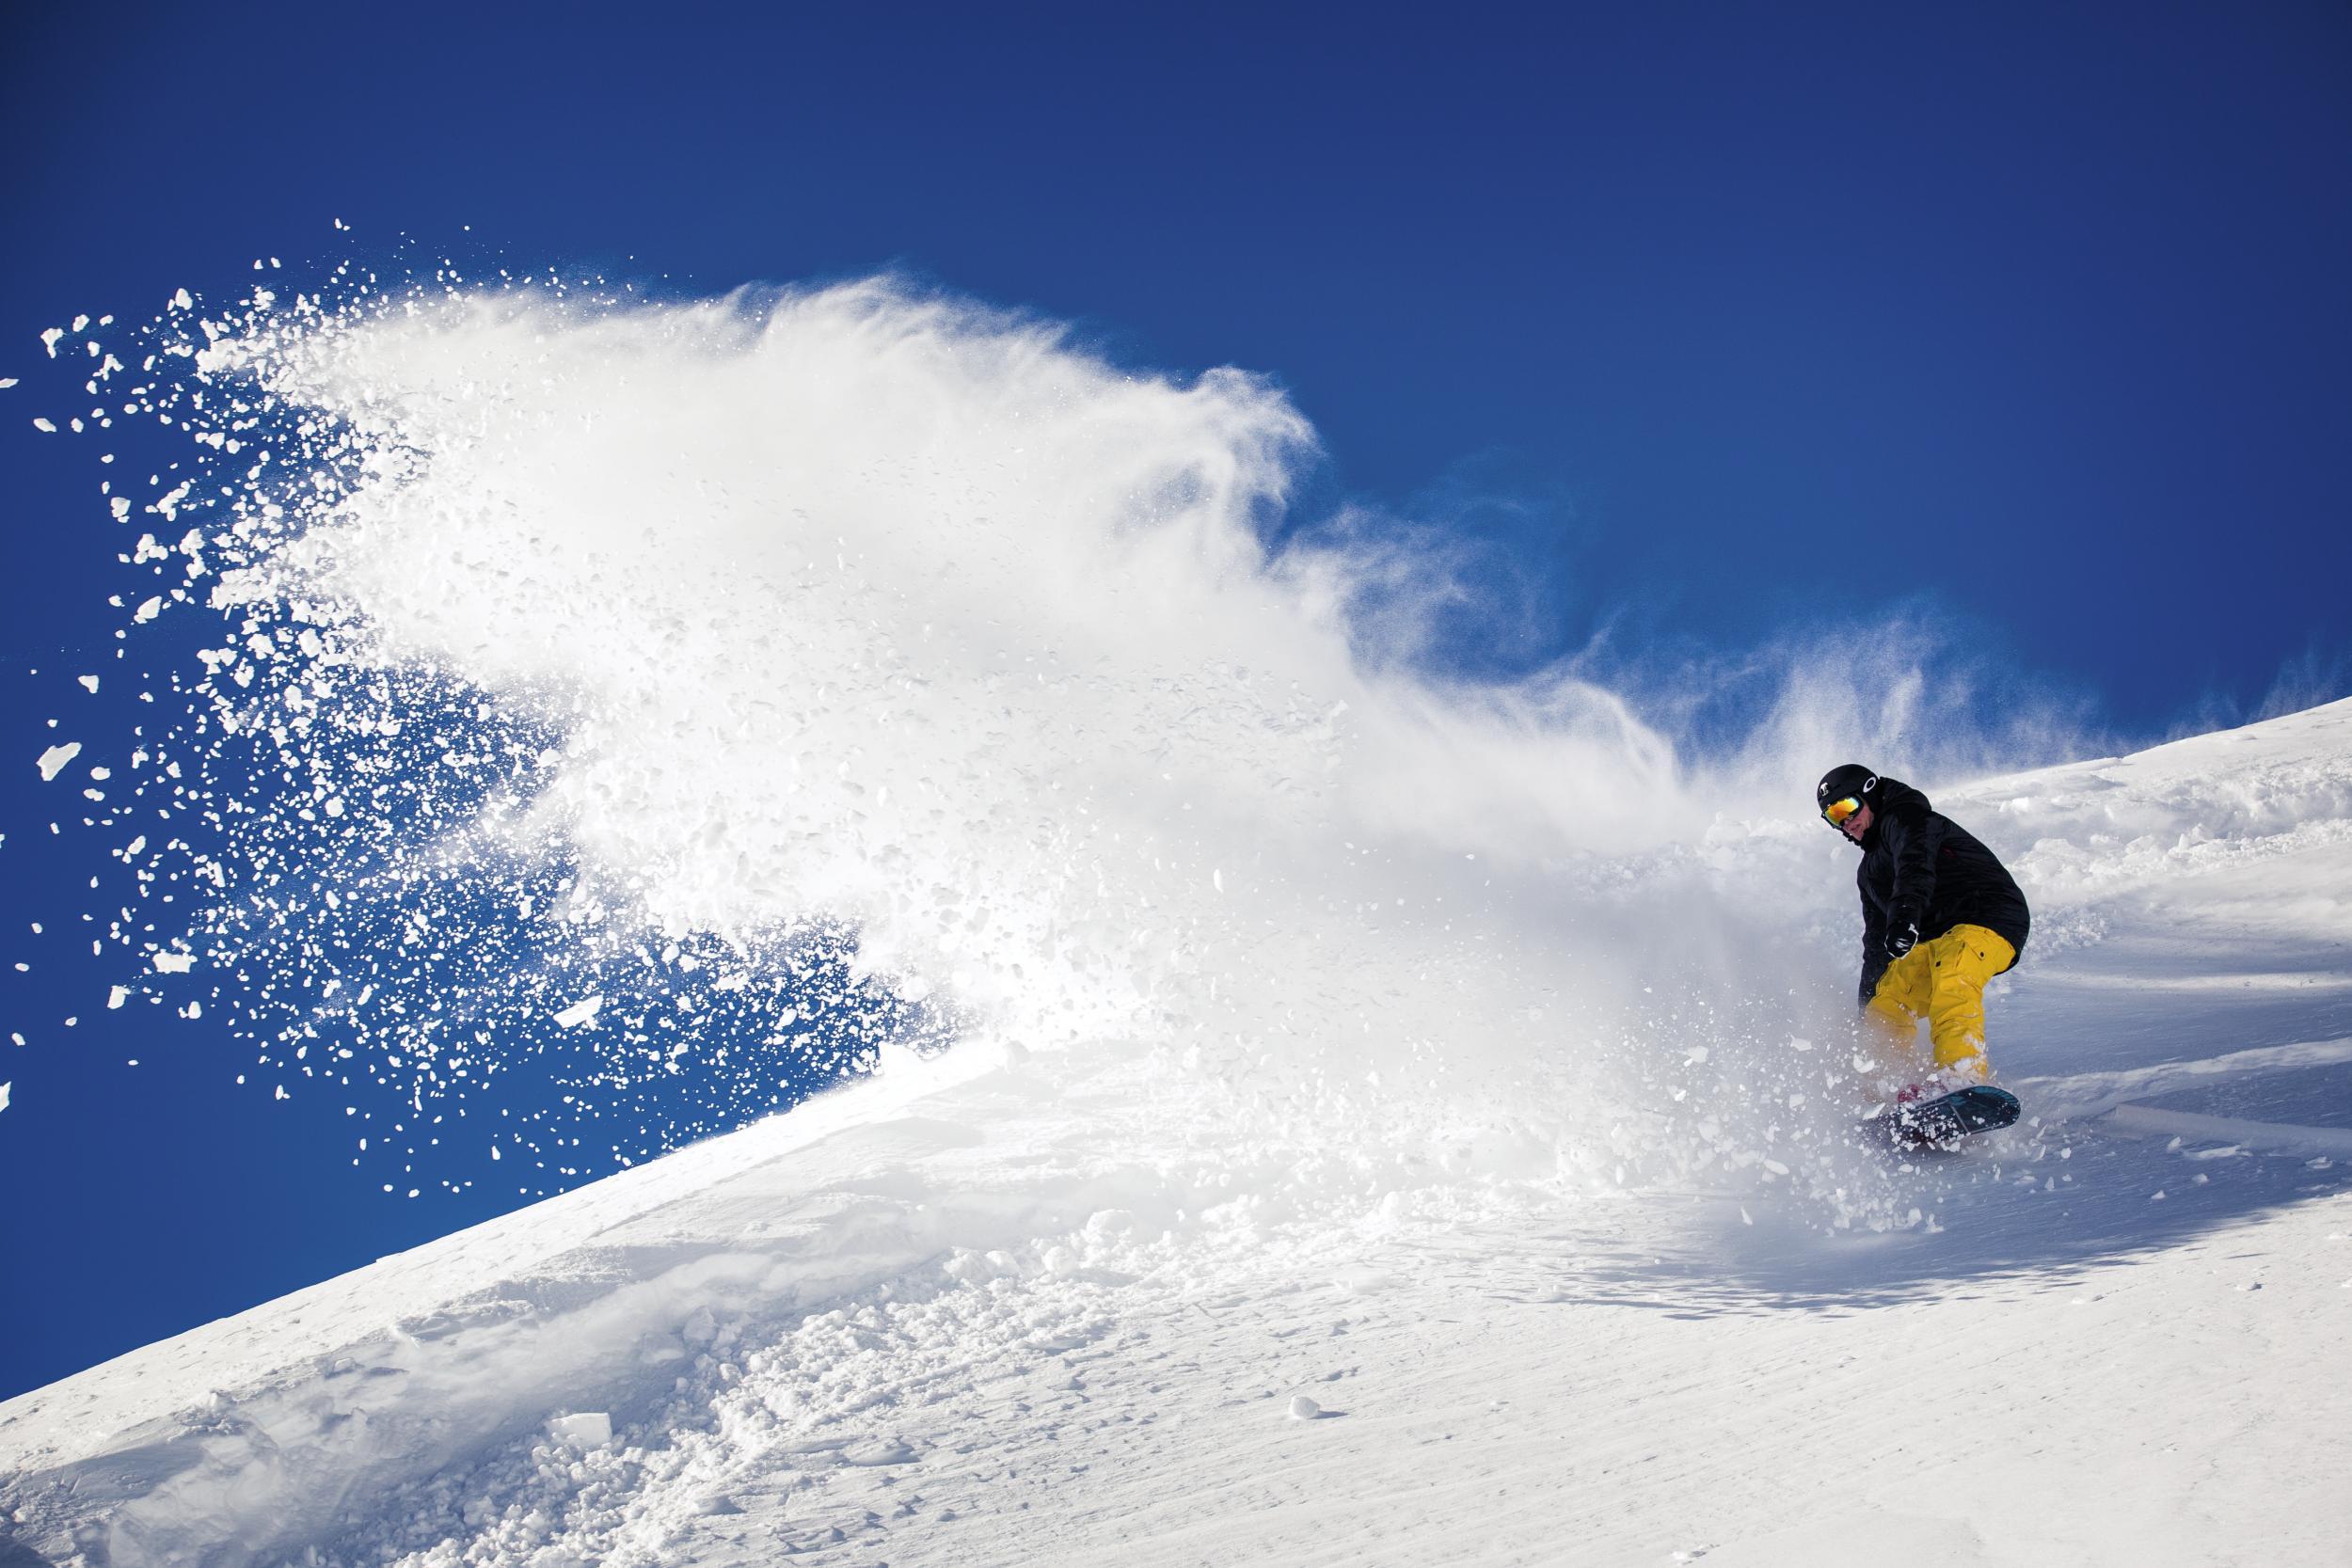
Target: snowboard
(1936,1126)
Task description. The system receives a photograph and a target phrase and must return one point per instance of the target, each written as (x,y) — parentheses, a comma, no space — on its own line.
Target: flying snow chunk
(581,1013)
(174,963)
(117,996)
(589,1428)
(4,1094)
(54,760)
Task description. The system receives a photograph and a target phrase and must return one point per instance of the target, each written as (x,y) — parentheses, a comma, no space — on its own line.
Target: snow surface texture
(1385,1123)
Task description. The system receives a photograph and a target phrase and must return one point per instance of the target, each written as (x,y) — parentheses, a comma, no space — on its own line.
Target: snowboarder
(1941,917)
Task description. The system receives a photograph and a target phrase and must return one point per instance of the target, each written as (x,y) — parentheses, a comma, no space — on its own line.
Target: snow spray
(741,691)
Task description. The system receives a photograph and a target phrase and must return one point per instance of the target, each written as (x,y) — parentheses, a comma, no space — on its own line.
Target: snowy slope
(1061,1306)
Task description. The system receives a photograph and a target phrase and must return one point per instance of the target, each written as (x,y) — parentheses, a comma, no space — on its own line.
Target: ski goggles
(1837,812)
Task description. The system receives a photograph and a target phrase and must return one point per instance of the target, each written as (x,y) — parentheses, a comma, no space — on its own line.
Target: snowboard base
(1938,1125)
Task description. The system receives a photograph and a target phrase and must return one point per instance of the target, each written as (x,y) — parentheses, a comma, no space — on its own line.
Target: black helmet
(1848,779)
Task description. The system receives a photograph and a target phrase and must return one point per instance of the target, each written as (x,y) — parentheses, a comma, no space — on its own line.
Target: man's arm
(1873,943)
(1912,838)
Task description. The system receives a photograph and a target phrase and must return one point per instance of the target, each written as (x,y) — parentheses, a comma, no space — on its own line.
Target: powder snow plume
(729,695)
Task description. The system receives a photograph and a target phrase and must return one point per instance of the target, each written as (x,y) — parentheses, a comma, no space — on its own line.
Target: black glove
(1902,938)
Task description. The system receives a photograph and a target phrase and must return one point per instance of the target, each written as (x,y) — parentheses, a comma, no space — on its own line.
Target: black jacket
(1920,867)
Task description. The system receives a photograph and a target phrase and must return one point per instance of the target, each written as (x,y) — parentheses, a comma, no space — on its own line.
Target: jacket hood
(1895,795)
(1891,795)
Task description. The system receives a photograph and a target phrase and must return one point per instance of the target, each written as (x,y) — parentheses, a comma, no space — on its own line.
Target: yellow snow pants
(1942,981)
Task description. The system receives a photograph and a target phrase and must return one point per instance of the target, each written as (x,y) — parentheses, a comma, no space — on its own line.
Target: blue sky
(1716,322)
